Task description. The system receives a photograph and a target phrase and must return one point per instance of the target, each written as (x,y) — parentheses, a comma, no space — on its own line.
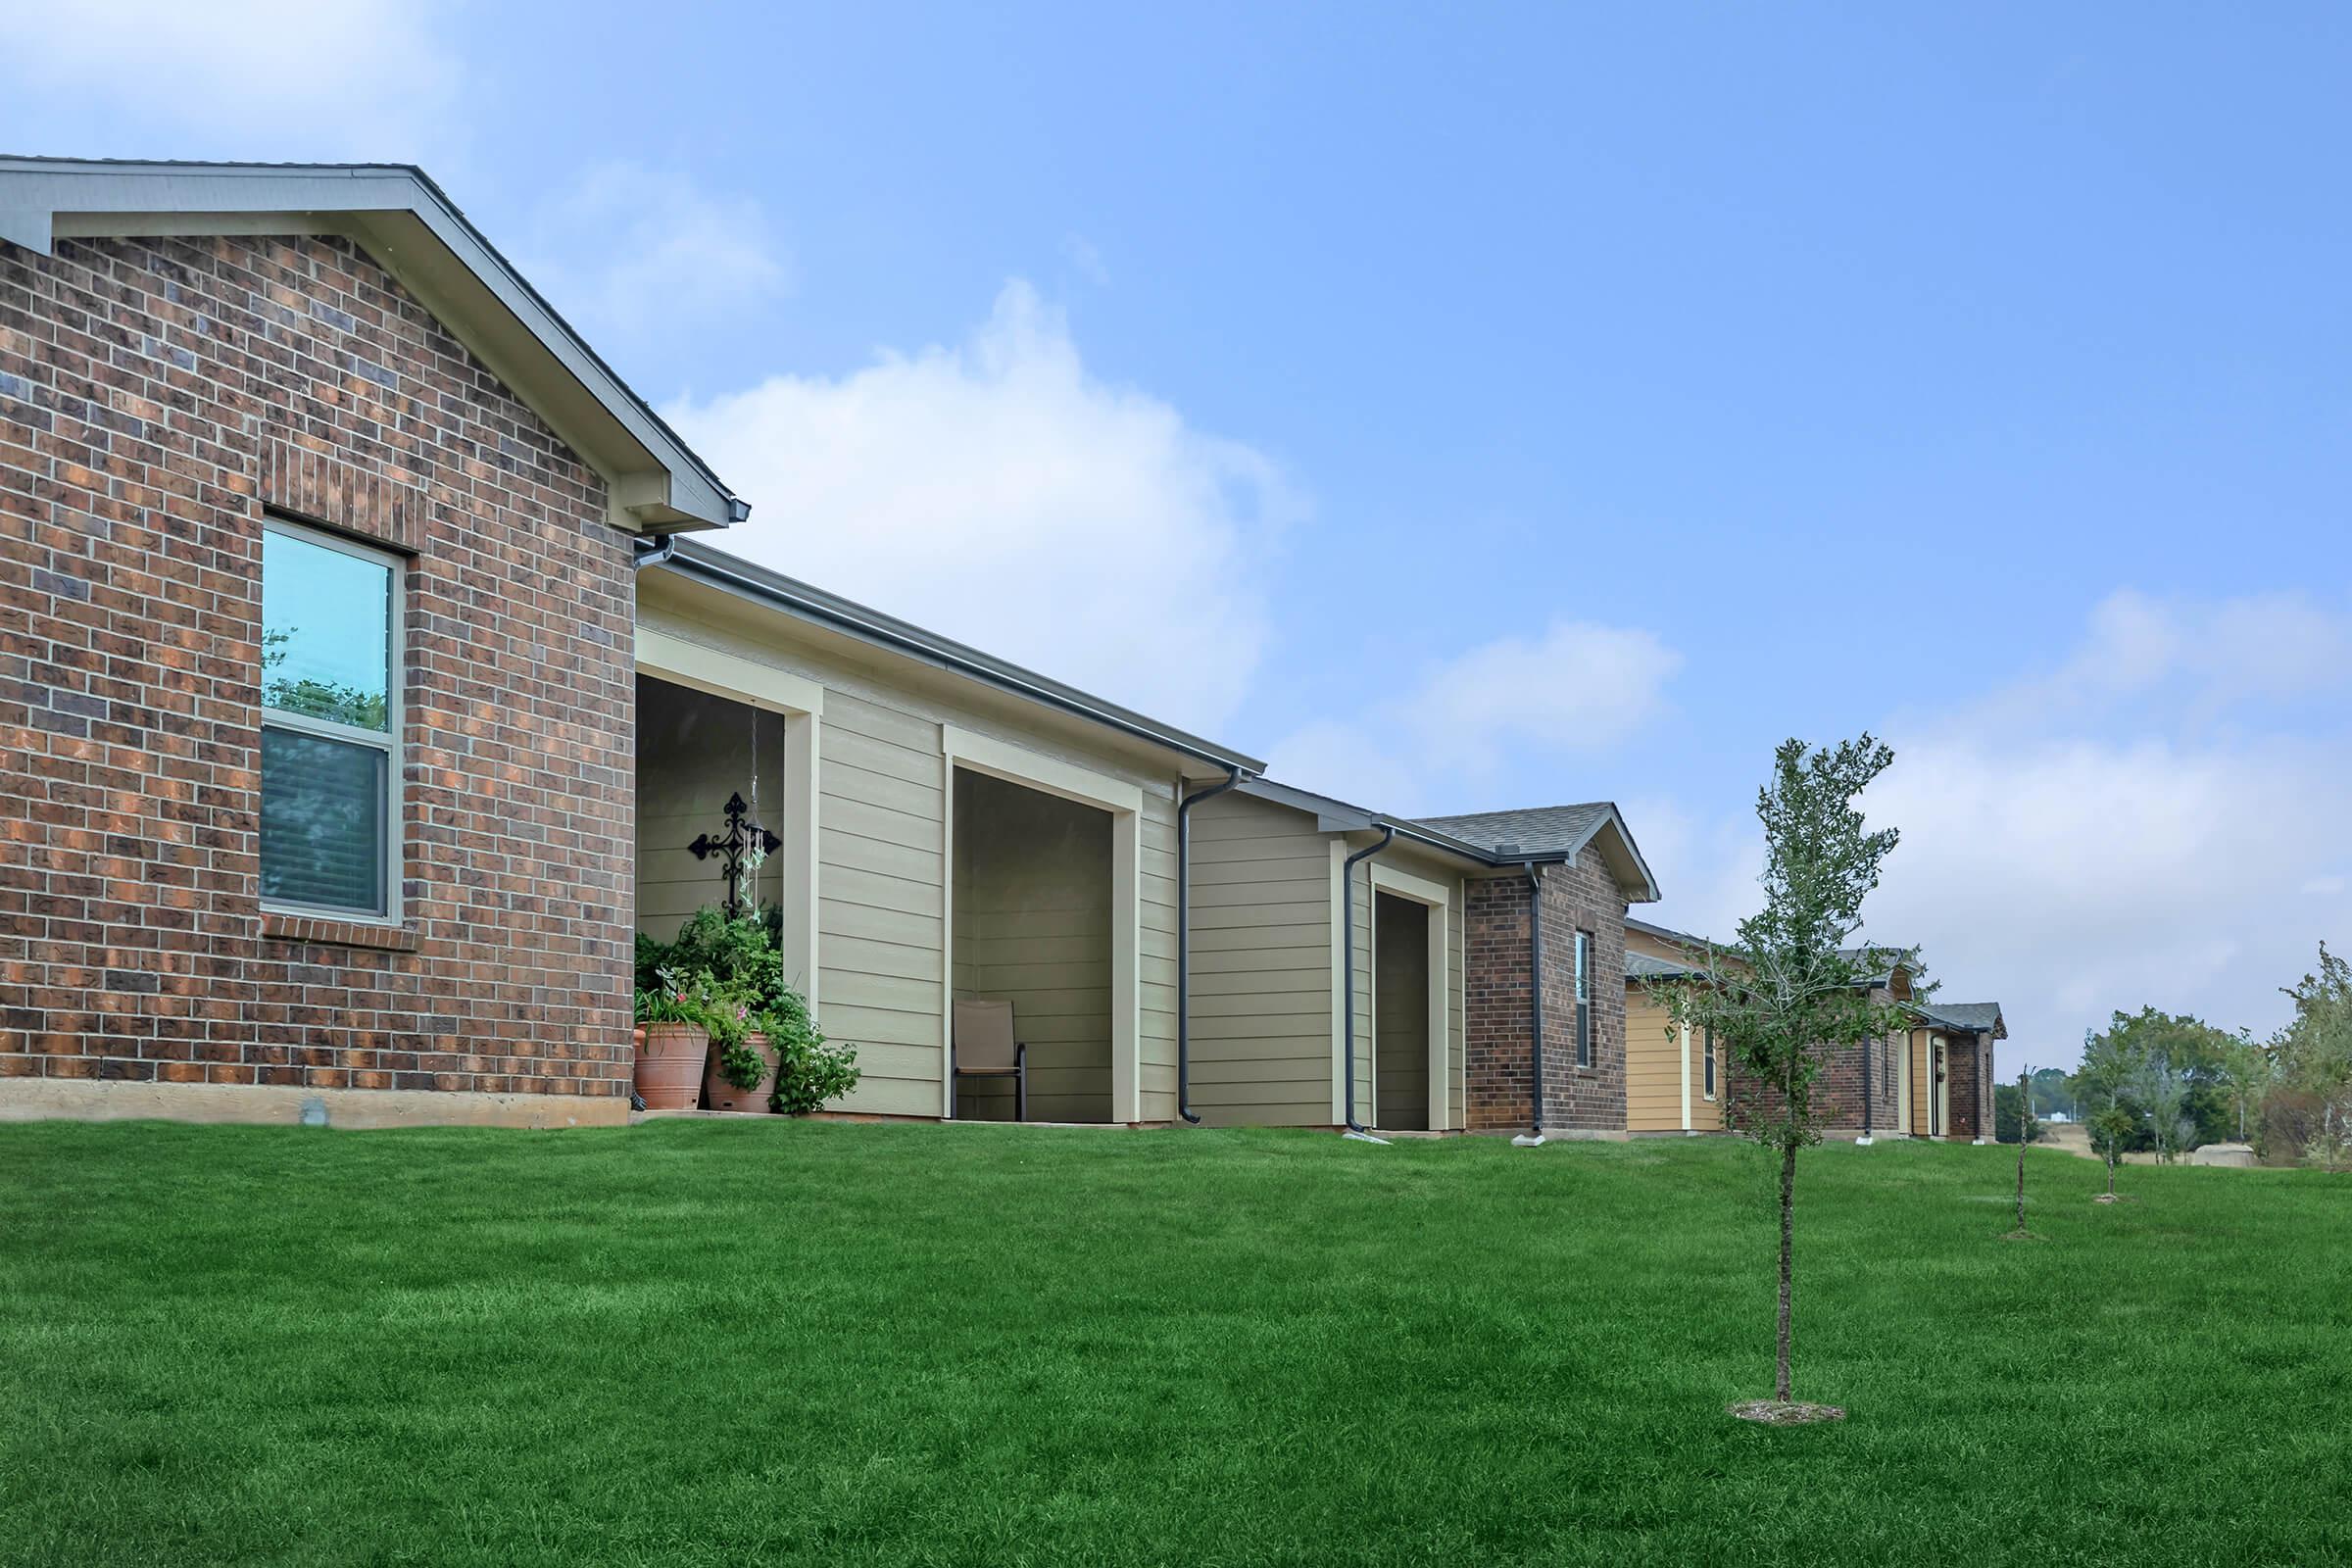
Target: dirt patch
(2022,1236)
(2115,1197)
(1784,1412)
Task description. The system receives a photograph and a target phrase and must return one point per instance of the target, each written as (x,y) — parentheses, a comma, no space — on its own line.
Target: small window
(1584,999)
(331,724)
(1710,1067)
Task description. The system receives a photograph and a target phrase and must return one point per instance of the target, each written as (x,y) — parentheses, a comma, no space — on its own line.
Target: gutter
(1532,1138)
(1184,942)
(664,545)
(1388,834)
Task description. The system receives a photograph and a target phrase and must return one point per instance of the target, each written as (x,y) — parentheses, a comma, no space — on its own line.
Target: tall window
(1710,1069)
(330,724)
(1584,999)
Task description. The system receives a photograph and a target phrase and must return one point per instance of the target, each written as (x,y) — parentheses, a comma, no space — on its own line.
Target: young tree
(2026,1127)
(2109,1062)
(1791,991)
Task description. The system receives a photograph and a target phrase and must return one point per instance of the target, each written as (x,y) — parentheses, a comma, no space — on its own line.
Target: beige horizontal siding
(1260,977)
(882,881)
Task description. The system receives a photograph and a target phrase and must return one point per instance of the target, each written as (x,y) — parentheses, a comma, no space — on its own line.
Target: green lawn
(720,1342)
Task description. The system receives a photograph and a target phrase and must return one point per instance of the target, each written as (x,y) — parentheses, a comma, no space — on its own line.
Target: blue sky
(1492,409)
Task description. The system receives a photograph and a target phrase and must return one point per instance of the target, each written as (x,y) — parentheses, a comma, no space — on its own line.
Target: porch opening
(1401,983)
(694,750)
(1032,926)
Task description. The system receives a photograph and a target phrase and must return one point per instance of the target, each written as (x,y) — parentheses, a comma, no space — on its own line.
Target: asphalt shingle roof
(1535,830)
(1979,1016)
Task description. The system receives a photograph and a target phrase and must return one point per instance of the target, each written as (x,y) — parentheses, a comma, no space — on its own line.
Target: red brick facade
(154,395)
(1970,1064)
(1499,1029)
(1837,1092)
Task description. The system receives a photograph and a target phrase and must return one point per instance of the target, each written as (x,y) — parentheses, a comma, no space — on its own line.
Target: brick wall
(154,394)
(1837,1092)
(1499,1025)
(1971,1067)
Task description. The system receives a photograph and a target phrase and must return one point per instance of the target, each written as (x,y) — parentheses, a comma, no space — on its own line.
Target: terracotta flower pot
(719,1092)
(669,1064)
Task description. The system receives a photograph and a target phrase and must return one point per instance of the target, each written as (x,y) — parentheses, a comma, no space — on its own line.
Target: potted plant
(674,1037)
(741,1071)
(764,1052)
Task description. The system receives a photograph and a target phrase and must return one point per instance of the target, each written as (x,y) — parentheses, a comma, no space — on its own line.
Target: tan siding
(881,873)
(1653,1059)
(1260,965)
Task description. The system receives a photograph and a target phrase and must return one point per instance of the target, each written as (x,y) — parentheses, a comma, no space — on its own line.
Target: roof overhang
(403,221)
(1608,832)
(700,562)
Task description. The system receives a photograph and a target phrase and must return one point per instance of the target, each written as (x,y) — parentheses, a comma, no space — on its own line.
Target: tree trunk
(2111,1173)
(2025,1125)
(1781,1380)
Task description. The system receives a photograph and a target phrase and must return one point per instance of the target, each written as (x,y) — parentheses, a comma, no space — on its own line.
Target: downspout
(664,545)
(1184,944)
(1532,1138)
(1868,1047)
(1355,1129)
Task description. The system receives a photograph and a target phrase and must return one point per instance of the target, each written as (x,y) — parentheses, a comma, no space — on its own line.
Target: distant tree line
(2167,1083)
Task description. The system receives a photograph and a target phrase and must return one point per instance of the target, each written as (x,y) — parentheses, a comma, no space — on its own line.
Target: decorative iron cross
(742,837)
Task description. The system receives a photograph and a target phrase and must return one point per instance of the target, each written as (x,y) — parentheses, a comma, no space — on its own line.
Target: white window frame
(390,741)
(1581,954)
(1708,1081)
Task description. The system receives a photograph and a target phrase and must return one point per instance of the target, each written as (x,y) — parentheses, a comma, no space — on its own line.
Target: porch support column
(801,745)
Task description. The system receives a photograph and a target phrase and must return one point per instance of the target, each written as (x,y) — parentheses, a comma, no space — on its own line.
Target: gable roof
(1599,823)
(1967,1017)
(1535,829)
(403,221)
(1666,933)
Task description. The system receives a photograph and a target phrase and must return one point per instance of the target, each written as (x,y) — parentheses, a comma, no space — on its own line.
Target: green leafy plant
(677,998)
(1793,990)
(739,962)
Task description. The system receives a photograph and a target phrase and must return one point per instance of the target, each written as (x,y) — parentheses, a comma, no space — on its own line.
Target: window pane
(322,822)
(327,624)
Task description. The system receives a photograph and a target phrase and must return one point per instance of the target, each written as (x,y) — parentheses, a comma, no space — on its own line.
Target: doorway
(1401,982)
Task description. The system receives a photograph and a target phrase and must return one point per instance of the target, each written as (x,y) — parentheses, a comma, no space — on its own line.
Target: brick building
(1928,1081)
(365,677)
(213,395)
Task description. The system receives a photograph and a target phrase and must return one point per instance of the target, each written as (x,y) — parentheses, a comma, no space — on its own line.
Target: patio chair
(983,1047)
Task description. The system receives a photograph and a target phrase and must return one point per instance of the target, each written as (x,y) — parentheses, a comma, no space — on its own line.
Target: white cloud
(2157,820)
(2178,663)
(624,250)
(241,79)
(2069,878)
(1575,688)
(999,493)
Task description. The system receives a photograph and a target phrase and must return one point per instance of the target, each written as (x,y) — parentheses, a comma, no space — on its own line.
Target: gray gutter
(701,563)
(35,190)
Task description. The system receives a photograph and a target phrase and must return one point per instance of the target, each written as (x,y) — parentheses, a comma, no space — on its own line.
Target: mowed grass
(725,1342)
